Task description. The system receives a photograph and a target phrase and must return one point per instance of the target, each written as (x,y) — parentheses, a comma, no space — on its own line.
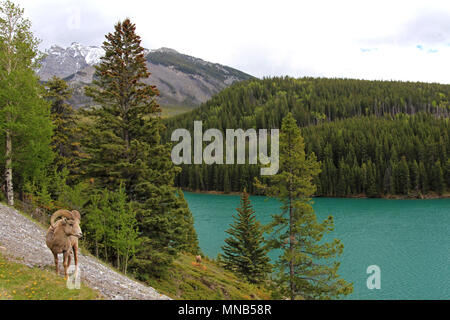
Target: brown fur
(62,237)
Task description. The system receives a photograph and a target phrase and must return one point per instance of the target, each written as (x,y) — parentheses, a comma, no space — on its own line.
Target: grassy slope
(169,111)
(207,281)
(186,280)
(19,282)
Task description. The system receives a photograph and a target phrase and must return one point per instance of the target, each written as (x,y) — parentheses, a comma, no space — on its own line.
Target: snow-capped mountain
(63,62)
(182,80)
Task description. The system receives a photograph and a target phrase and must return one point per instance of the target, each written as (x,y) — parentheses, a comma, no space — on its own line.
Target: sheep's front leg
(65,262)
(56,263)
(69,259)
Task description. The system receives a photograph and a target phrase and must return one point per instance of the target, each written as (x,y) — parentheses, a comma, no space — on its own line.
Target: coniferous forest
(107,162)
(372,138)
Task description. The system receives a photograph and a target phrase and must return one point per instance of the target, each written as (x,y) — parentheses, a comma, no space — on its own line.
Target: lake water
(407,239)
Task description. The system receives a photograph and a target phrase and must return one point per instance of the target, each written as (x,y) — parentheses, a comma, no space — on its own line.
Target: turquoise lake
(407,239)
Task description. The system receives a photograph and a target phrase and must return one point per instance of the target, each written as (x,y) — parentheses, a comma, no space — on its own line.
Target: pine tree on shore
(125,147)
(244,252)
(305,269)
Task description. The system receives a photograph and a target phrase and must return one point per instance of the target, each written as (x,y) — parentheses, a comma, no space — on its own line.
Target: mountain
(63,62)
(181,79)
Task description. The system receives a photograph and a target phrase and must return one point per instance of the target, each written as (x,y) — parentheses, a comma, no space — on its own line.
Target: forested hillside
(373,138)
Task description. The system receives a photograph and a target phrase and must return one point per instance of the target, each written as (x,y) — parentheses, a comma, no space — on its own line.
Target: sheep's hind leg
(69,258)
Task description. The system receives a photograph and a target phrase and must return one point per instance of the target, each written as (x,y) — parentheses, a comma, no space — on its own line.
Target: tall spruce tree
(245,252)
(24,116)
(305,269)
(124,146)
(65,142)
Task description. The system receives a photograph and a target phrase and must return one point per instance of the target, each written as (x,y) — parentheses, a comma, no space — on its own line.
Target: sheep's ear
(76,215)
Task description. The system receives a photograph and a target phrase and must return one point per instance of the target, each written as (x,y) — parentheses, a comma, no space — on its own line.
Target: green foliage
(206,281)
(18,282)
(124,147)
(65,143)
(110,223)
(306,269)
(25,125)
(380,156)
(244,252)
(359,130)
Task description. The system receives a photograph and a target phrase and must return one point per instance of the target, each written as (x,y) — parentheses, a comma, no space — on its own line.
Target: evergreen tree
(371,188)
(64,141)
(226,181)
(188,241)
(124,147)
(447,174)
(25,120)
(304,267)
(424,184)
(244,252)
(415,176)
(403,177)
(359,128)
(438,183)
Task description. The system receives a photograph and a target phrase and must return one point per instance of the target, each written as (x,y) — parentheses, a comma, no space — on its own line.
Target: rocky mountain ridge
(181,79)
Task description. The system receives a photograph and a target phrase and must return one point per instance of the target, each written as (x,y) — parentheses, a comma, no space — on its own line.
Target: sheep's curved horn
(76,215)
(60,213)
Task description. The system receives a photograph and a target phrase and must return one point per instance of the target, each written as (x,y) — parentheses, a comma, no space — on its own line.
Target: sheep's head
(70,222)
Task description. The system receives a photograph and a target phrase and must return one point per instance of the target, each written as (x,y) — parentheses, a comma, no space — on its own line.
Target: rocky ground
(24,241)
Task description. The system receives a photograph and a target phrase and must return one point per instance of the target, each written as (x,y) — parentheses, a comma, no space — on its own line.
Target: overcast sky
(389,40)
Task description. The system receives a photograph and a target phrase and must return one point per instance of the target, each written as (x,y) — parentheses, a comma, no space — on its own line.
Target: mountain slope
(63,62)
(181,79)
(374,138)
(25,241)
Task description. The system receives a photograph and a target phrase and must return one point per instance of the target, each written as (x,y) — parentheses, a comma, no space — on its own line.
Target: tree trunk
(125,267)
(291,249)
(291,233)
(8,170)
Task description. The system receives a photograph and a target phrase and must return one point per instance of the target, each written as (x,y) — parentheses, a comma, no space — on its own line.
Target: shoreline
(434,196)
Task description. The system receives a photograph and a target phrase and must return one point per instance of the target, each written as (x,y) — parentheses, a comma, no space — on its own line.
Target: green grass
(206,281)
(19,282)
(186,280)
(169,111)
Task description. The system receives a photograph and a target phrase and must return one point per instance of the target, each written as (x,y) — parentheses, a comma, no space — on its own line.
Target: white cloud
(357,39)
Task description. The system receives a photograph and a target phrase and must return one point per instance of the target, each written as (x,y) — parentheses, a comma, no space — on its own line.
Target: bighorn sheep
(62,237)
(198,259)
